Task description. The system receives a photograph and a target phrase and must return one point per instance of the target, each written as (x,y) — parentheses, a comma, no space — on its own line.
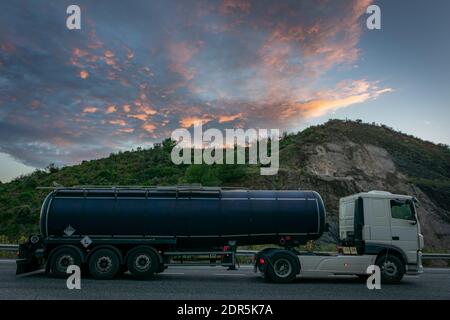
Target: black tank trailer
(145,230)
(195,218)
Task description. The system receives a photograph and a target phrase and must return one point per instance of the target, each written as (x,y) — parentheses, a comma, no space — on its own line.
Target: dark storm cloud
(139,69)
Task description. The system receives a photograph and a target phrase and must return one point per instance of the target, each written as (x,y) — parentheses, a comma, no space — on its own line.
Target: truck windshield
(402,209)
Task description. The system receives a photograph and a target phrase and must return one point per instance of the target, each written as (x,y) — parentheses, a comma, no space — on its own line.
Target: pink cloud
(188,122)
(111,109)
(228,118)
(89,110)
(180,54)
(118,122)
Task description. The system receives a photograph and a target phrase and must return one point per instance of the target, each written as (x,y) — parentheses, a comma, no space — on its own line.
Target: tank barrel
(194,215)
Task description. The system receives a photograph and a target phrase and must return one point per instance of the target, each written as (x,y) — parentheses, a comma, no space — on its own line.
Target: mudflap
(26,266)
(28,259)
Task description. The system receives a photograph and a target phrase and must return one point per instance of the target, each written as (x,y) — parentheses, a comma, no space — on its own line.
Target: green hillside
(426,165)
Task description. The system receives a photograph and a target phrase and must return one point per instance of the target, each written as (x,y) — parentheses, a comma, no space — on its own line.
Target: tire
(61,259)
(143,263)
(282,268)
(104,264)
(391,267)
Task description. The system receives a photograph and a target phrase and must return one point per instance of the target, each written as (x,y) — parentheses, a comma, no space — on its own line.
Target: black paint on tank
(196,218)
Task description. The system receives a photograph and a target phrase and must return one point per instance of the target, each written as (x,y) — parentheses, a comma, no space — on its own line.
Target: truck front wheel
(281,268)
(143,263)
(104,264)
(391,267)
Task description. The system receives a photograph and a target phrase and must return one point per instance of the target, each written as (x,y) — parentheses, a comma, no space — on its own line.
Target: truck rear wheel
(281,268)
(104,264)
(143,263)
(391,267)
(61,259)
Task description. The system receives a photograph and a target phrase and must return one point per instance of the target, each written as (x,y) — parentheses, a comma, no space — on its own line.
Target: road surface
(219,283)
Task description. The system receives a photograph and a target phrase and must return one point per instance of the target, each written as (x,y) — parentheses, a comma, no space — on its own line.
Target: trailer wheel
(61,259)
(391,267)
(143,263)
(281,268)
(104,264)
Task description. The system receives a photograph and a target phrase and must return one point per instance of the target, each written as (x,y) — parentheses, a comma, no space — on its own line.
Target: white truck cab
(375,228)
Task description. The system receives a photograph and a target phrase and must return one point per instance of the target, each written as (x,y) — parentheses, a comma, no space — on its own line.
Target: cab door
(404,227)
(377,221)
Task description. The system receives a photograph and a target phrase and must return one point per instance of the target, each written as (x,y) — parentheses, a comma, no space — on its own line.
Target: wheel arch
(394,252)
(380,249)
(64,246)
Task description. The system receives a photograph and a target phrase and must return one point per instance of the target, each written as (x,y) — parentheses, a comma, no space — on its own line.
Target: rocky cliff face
(364,167)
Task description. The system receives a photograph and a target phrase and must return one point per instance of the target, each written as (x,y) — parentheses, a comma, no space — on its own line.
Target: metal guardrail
(250,253)
(246,253)
(436,256)
(9,247)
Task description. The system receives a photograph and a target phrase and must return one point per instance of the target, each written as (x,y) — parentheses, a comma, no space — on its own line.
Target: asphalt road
(219,283)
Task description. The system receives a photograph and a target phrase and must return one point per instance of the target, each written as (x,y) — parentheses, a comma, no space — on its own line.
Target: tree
(52,168)
(204,174)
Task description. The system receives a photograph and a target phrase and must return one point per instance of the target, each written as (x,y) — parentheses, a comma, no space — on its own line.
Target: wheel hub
(104,264)
(282,268)
(389,268)
(142,262)
(64,261)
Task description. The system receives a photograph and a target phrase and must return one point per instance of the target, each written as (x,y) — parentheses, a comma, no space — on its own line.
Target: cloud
(118,122)
(90,110)
(111,109)
(230,63)
(84,74)
(149,127)
(180,54)
(235,6)
(191,121)
(141,116)
(228,118)
(321,106)
(126,108)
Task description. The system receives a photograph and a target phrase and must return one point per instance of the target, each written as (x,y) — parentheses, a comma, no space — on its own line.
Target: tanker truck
(144,230)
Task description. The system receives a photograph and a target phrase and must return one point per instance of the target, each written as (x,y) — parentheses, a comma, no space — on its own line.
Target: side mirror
(413,222)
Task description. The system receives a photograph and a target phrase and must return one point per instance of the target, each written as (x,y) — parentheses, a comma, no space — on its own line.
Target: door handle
(395,238)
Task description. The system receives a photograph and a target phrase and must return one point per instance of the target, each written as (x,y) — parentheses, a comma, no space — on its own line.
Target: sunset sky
(137,70)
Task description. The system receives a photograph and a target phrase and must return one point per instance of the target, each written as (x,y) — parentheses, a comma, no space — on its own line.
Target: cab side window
(402,210)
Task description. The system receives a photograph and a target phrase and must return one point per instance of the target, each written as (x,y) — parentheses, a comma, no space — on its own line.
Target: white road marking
(7,261)
(30,273)
(173,273)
